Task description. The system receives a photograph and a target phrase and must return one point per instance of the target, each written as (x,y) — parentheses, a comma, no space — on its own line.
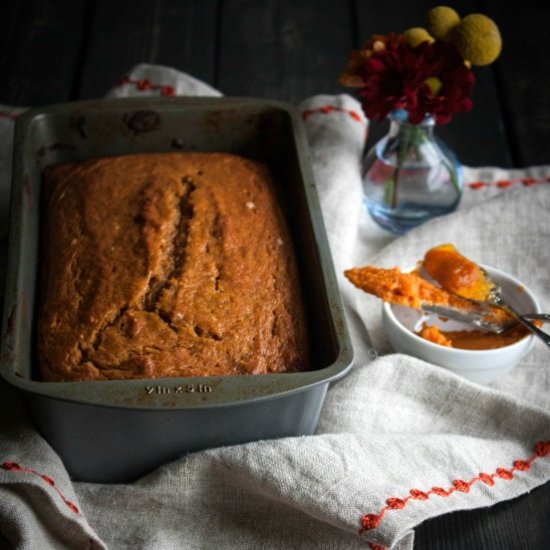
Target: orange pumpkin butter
(411,290)
(473,339)
(459,284)
(391,285)
(456,273)
(433,334)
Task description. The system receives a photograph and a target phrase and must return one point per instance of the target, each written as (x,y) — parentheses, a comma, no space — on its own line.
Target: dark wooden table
(56,51)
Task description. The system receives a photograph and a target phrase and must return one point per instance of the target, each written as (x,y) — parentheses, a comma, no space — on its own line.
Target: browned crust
(169,264)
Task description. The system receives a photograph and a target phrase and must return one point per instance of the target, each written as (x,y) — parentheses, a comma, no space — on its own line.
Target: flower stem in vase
(409,176)
(454,176)
(408,138)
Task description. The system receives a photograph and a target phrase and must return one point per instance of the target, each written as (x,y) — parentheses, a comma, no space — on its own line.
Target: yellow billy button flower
(440,21)
(477,39)
(434,84)
(417,35)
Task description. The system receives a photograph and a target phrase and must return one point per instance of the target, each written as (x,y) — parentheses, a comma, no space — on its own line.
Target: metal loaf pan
(113,431)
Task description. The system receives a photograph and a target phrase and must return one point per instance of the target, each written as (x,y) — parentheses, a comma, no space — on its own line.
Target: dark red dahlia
(391,81)
(448,85)
(427,79)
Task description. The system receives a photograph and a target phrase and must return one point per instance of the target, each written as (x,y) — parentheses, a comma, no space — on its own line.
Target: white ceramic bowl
(481,366)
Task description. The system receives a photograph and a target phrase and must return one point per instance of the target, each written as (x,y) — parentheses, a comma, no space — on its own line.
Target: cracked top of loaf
(167,264)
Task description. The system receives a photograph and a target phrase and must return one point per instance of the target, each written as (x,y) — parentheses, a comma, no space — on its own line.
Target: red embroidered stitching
(145,84)
(14,467)
(502,184)
(326,109)
(371,521)
(11,116)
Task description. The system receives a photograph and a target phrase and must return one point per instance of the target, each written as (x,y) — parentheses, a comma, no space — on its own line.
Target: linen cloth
(399,440)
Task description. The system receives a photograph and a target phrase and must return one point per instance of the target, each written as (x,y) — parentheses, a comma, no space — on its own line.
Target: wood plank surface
(40,48)
(124,33)
(519,524)
(283,49)
(523,78)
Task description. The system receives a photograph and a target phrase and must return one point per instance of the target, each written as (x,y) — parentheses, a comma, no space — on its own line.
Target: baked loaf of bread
(167,264)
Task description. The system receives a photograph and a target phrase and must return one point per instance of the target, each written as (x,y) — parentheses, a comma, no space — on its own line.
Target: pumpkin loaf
(167,264)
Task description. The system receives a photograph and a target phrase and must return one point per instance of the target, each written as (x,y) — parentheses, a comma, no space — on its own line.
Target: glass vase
(410,176)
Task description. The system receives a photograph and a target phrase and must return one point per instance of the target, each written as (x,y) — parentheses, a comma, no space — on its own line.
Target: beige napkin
(399,440)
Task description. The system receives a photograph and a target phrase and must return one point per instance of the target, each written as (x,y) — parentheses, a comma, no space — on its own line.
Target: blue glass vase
(410,176)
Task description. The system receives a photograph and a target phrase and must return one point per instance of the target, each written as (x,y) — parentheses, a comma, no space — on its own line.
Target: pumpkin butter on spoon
(457,274)
(459,283)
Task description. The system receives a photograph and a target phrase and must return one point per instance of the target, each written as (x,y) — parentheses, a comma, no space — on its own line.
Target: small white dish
(481,366)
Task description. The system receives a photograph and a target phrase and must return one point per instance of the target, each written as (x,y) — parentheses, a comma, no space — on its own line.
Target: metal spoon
(544,317)
(476,317)
(495,298)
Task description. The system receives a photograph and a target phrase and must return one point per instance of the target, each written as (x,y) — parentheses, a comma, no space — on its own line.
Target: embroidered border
(10,116)
(14,467)
(526,182)
(145,84)
(371,521)
(326,109)
(475,185)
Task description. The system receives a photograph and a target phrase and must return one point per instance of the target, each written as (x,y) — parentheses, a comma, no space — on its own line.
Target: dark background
(57,51)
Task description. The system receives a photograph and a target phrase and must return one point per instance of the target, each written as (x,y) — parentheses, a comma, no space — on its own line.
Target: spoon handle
(534,329)
(545,317)
(497,300)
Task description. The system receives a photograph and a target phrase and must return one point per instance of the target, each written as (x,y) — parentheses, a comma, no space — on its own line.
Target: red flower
(353,75)
(453,80)
(391,81)
(428,79)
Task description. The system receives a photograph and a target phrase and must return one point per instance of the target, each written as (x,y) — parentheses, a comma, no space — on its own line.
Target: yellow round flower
(477,39)
(440,21)
(434,84)
(416,36)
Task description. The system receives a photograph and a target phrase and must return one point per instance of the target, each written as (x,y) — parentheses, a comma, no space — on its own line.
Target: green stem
(409,137)
(452,175)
